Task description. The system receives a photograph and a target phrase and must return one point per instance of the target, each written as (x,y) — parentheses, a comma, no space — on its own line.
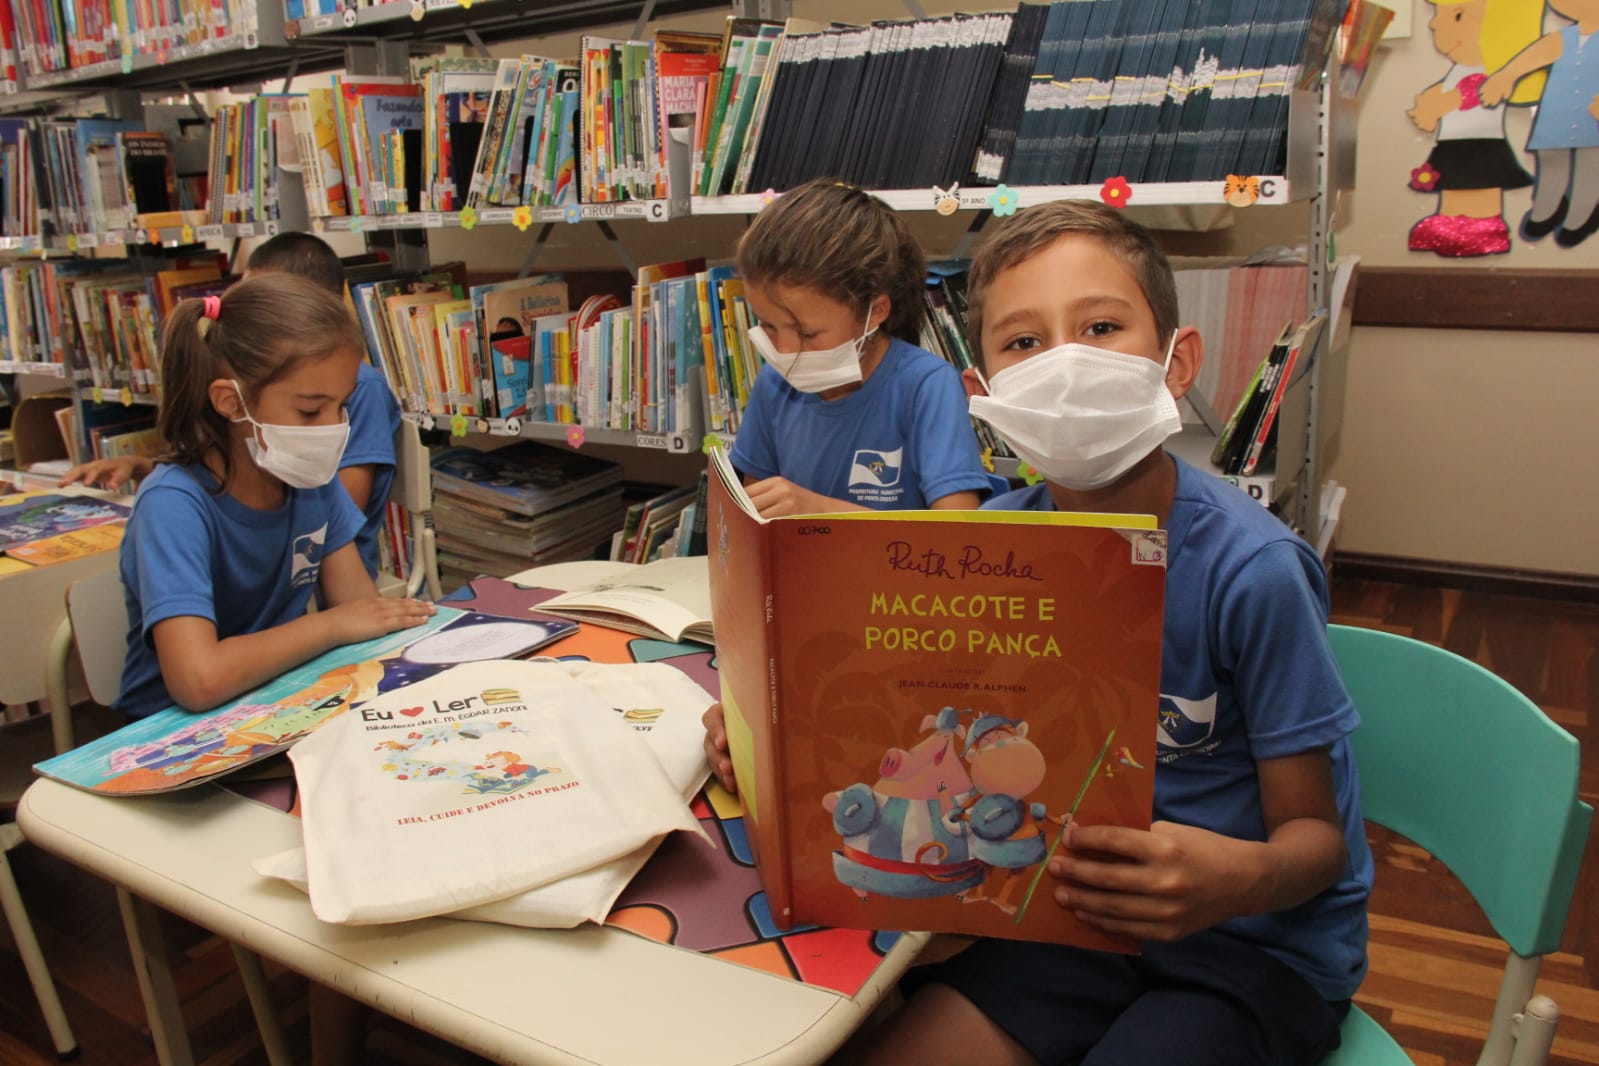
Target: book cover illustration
(175,749)
(919,703)
(65,547)
(36,517)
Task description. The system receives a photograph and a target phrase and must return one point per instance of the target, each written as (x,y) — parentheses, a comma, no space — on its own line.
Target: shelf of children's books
(489,19)
(575,435)
(28,367)
(211,62)
(9,86)
(1004,199)
(520,217)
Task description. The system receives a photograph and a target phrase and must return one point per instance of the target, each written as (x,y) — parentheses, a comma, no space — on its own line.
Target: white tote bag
(663,707)
(474,785)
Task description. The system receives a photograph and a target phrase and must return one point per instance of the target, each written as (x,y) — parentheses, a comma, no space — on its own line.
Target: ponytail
(261,329)
(188,423)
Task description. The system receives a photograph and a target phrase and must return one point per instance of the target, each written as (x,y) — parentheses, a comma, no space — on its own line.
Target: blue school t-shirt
(374,419)
(188,551)
(1246,674)
(897,443)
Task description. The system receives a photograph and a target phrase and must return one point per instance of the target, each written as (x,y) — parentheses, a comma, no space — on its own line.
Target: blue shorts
(1208,1000)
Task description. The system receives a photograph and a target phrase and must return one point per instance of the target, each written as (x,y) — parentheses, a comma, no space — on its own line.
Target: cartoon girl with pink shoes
(1472,163)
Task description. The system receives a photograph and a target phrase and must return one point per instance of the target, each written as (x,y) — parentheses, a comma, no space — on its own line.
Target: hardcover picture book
(175,748)
(919,703)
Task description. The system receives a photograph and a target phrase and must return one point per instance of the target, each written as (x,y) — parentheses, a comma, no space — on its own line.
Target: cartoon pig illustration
(897,838)
(1006,831)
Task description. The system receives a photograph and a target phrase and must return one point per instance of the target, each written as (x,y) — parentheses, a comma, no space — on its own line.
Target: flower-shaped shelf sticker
(574,212)
(468,217)
(522,217)
(1028,474)
(1116,192)
(1003,200)
(457,425)
(574,436)
(710,440)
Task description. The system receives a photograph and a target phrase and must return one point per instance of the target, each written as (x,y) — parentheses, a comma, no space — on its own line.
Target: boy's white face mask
(1079,415)
(815,371)
(302,457)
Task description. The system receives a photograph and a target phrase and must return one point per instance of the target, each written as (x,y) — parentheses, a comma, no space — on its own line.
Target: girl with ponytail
(242,520)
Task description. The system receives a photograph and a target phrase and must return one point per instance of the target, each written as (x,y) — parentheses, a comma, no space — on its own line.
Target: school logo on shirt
(876,469)
(1184,725)
(307,561)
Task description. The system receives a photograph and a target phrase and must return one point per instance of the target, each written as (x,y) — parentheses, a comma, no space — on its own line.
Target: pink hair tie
(1469,87)
(212,307)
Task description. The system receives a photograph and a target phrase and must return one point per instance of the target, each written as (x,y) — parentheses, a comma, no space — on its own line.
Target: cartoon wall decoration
(1472,163)
(1565,133)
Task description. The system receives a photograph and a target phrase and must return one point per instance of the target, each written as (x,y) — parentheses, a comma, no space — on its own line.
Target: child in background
(367,469)
(1249,890)
(241,521)
(848,414)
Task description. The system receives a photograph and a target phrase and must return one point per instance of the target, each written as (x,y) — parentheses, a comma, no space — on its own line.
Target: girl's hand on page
(716,747)
(374,616)
(775,497)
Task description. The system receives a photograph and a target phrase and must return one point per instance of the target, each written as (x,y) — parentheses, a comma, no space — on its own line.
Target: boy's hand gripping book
(919,704)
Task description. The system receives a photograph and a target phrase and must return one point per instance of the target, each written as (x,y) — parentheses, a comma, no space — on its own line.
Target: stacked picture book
(524,505)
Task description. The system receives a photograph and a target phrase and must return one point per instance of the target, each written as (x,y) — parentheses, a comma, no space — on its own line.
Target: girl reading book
(242,521)
(848,414)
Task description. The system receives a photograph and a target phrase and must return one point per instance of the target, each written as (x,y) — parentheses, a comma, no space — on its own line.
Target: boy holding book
(1248,892)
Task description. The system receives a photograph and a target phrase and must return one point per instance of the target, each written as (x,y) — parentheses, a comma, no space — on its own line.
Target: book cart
(264,40)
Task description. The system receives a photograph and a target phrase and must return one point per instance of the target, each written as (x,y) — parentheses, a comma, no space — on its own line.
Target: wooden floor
(1434,962)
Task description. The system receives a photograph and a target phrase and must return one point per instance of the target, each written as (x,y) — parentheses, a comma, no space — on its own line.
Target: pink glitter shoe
(1424,235)
(1460,236)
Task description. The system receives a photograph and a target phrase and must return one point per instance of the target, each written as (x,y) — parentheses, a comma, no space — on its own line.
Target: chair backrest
(1457,760)
(412,489)
(413,477)
(99,616)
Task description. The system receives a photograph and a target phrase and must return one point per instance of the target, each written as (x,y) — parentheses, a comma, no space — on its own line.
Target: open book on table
(665,600)
(917,702)
(175,748)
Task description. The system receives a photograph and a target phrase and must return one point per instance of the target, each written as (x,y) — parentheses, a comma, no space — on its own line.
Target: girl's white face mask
(1079,415)
(302,457)
(815,371)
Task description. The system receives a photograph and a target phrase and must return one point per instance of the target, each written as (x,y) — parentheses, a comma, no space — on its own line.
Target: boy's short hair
(304,254)
(846,244)
(1026,233)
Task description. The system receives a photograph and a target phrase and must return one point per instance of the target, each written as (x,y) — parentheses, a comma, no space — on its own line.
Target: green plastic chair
(1455,759)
